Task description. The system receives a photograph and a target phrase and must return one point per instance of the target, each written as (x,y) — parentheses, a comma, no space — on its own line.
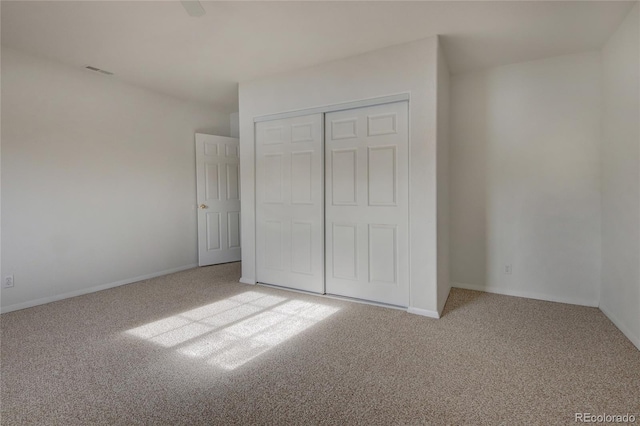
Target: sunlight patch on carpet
(233,331)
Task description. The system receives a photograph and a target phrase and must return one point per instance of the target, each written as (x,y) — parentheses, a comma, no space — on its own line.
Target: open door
(218,197)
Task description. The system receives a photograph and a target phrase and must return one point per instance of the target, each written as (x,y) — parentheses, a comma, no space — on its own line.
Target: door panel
(213,231)
(233,181)
(367,205)
(233,224)
(344,177)
(289,203)
(218,195)
(345,251)
(301,179)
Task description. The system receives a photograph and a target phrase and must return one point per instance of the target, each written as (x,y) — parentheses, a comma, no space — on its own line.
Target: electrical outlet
(7,282)
(508,269)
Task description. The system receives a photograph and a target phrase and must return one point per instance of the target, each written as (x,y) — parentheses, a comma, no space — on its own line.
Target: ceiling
(155,44)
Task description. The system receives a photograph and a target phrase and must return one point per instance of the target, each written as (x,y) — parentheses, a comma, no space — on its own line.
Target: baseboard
(623,328)
(423,312)
(244,280)
(44,300)
(528,295)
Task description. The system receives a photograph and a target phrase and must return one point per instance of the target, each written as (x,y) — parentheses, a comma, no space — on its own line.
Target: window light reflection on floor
(233,331)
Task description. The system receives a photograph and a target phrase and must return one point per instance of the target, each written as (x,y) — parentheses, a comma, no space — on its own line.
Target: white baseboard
(42,301)
(244,280)
(623,328)
(527,294)
(423,312)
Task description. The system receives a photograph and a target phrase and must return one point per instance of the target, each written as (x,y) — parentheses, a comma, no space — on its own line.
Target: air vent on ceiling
(89,67)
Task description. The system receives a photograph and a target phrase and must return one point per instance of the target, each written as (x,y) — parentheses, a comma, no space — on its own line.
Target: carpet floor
(197,347)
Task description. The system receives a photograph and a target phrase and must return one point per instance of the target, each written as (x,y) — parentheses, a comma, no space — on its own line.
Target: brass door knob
(203,206)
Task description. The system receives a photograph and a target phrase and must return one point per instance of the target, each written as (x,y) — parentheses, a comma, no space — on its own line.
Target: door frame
(335,107)
(400,97)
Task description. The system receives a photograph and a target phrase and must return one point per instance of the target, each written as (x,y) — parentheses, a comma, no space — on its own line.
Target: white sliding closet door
(289,203)
(367,200)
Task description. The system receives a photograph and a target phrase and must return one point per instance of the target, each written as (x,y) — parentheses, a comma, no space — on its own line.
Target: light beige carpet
(197,347)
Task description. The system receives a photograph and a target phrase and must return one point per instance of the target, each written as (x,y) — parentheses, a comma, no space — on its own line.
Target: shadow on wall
(468,176)
(525,177)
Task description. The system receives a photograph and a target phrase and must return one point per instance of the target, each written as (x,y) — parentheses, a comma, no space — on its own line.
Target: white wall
(620,295)
(398,69)
(98,180)
(525,179)
(443,81)
(234,124)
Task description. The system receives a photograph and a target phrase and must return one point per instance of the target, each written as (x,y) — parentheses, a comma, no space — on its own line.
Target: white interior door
(218,194)
(289,203)
(367,215)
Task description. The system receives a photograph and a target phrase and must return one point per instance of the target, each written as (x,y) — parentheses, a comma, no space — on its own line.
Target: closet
(332,203)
